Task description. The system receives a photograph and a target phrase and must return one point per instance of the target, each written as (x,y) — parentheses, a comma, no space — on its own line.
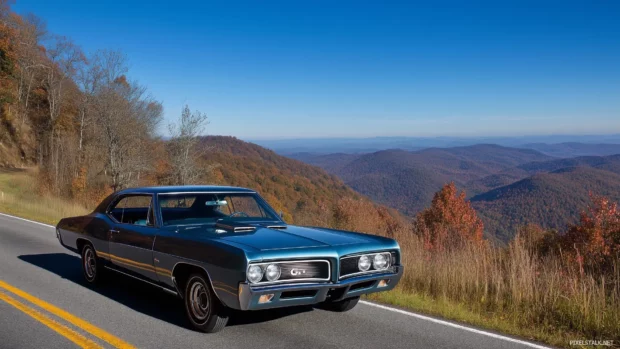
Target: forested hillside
(551,200)
(407,180)
(332,163)
(509,187)
(78,117)
(610,163)
(306,194)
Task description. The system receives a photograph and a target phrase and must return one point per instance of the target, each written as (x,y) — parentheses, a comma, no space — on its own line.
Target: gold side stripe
(224,290)
(221,284)
(126,260)
(142,266)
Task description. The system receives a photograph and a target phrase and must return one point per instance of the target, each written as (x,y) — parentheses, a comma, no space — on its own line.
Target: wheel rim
(199,301)
(90,263)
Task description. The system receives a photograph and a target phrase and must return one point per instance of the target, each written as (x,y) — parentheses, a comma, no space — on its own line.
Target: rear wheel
(343,305)
(204,311)
(91,267)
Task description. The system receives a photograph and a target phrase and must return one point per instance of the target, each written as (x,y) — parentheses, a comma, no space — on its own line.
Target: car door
(132,236)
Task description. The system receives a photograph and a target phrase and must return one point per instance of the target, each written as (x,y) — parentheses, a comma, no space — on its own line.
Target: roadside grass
(447,309)
(510,290)
(19,197)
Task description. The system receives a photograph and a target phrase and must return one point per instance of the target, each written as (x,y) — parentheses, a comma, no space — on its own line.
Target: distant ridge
(555,145)
(573,149)
(610,163)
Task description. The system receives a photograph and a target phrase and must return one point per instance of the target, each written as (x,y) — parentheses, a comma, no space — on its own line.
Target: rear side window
(133,209)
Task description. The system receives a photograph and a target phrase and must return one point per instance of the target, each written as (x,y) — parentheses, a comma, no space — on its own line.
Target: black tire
(341,306)
(91,266)
(204,311)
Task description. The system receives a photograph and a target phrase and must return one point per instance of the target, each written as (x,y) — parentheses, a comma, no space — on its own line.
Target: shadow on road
(142,297)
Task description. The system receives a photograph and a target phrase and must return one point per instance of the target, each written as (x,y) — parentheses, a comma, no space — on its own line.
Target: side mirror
(281,214)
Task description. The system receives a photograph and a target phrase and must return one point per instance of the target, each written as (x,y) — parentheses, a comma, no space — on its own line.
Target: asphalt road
(47,278)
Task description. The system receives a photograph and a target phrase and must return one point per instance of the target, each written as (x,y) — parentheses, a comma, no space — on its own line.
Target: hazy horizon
(372,144)
(533,135)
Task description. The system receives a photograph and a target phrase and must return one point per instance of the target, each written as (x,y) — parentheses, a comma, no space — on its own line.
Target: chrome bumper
(305,294)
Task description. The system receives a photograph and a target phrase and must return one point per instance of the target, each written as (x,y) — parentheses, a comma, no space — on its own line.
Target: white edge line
(450,324)
(422,317)
(26,220)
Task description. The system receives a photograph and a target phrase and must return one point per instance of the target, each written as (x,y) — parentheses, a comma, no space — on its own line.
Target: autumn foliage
(594,243)
(364,216)
(449,222)
(8,59)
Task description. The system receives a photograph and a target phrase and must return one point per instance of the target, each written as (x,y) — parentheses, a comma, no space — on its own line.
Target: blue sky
(293,69)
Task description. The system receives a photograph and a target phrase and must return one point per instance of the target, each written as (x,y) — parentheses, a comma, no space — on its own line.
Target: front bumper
(306,294)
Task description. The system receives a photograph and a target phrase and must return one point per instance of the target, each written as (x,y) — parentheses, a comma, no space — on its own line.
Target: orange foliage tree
(594,243)
(449,222)
(8,59)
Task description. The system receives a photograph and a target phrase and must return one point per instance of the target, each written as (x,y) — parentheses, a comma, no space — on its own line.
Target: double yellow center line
(72,335)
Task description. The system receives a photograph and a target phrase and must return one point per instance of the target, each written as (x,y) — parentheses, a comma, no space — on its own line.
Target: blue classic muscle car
(221,248)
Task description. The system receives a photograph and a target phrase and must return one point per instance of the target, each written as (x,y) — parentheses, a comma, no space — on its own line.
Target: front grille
(304,270)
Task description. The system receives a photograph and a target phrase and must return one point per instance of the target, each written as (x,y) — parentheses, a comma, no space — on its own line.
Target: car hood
(287,237)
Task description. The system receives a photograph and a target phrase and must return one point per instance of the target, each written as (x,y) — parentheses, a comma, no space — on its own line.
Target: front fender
(224,265)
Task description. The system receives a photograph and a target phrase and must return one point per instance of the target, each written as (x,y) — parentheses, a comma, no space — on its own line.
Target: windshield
(201,208)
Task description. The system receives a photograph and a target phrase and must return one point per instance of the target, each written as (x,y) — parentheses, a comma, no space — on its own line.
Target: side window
(133,209)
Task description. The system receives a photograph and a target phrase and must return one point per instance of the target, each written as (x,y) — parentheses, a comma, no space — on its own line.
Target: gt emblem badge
(296,271)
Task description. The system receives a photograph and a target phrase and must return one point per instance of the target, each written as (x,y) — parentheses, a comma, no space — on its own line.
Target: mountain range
(407,180)
(509,187)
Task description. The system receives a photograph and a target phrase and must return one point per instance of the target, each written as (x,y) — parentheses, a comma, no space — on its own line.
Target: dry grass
(511,290)
(18,196)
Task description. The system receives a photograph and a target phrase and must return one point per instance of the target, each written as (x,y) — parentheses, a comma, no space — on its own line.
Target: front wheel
(204,311)
(343,305)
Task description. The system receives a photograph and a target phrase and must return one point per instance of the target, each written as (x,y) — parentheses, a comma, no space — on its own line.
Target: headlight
(255,274)
(364,263)
(381,261)
(272,272)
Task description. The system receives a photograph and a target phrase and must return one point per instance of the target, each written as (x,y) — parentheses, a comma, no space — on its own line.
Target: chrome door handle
(114,231)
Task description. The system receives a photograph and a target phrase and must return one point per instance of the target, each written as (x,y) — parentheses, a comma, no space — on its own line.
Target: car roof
(185,189)
(103,205)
